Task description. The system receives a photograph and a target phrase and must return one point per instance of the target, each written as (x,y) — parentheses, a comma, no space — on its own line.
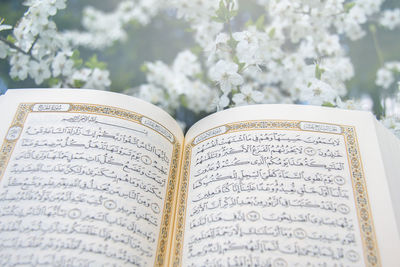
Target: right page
(284,185)
(390,150)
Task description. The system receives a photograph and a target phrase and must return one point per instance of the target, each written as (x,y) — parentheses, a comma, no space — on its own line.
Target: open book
(93,178)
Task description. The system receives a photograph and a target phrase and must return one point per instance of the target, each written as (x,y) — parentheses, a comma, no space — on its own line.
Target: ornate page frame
(23,111)
(364,214)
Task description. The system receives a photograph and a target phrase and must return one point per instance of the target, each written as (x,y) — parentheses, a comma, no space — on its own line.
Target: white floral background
(239,53)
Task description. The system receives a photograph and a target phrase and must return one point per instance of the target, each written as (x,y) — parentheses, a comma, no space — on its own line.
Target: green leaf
(240,64)
(200,76)
(232,43)
(318,72)
(78,63)
(197,50)
(217,19)
(223,14)
(11,39)
(135,23)
(76,58)
(372,28)
(78,83)
(271,33)
(260,23)
(183,100)
(249,23)
(233,13)
(223,11)
(222,7)
(328,104)
(75,54)
(94,63)
(348,6)
(144,68)
(53,81)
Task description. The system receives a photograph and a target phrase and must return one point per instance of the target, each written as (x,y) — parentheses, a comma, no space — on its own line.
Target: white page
(88,179)
(390,151)
(383,222)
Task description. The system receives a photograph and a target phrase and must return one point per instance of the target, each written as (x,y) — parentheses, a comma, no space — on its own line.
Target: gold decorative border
(24,109)
(368,236)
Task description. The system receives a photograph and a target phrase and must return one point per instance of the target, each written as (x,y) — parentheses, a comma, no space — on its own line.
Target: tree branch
(10,44)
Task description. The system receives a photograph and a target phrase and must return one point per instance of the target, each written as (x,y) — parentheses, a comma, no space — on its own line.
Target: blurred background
(165,36)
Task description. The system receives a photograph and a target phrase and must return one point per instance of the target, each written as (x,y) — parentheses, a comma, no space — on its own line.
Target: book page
(390,150)
(88,178)
(281,185)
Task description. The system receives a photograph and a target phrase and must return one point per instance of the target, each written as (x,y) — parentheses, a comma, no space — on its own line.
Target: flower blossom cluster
(386,76)
(390,18)
(102,29)
(178,84)
(35,49)
(294,52)
(277,61)
(393,124)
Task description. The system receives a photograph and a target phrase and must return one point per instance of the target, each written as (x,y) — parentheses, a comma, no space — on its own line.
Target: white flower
(79,76)
(357,15)
(53,5)
(19,70)
(316,92)
(199,97)
(98,79)
(43,48)
(393,66)
(300,28)
(390,18)
(219,46)
(223,102)
(329,45)
(294,62)
(39,14)
(3,50)
(206,32)
(23,34)
(186,63)
(247,96)
(339,68)
(384,78)
(225,74)
(151,93)
(39,71)
(247,49)
(61,65)
(4,27)
(393,124)
(349,104)
(370,6)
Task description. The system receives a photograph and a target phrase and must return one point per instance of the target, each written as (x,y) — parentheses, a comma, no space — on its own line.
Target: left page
(87,178)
